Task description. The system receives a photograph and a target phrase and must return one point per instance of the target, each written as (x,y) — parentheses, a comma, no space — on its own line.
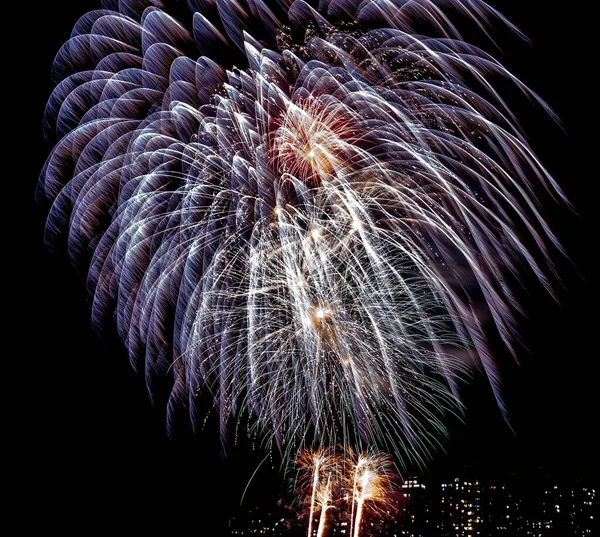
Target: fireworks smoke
(301,208)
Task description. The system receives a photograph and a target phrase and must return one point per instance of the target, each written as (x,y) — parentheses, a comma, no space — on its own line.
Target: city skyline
(467,502)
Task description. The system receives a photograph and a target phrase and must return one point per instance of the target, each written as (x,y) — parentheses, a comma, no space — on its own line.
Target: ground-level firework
(349,483)
(306,209)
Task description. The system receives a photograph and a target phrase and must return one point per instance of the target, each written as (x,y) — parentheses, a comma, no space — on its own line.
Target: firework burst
(306,235)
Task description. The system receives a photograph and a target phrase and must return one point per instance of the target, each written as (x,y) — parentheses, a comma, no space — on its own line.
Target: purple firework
(306,209)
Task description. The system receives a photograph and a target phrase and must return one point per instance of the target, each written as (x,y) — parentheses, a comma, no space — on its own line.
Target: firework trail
(357,467)
(371,484)
(313,495)
(325,502)
(315,466)
(300,208)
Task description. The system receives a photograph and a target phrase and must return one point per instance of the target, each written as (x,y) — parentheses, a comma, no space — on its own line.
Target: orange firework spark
(314,140)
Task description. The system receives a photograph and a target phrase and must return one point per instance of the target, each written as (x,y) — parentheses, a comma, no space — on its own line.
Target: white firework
(306,236)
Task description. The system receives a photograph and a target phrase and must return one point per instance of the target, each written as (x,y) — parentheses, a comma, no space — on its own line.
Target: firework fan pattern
(300,208)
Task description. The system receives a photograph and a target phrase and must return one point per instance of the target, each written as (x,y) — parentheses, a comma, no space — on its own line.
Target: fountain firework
(347,481)
(371,484)
(319,471)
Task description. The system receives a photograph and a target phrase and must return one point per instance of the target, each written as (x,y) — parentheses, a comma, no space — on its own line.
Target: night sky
(91,447)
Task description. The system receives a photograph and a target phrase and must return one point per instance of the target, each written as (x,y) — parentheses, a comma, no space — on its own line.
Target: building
(560,507)
(260,522)
(538,504)
(414,509)
(461,508)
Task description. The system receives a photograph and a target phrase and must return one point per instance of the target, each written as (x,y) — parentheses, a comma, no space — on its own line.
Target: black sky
(91,448)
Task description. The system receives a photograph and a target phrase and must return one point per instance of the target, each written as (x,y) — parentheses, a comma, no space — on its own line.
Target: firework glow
(307,210)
